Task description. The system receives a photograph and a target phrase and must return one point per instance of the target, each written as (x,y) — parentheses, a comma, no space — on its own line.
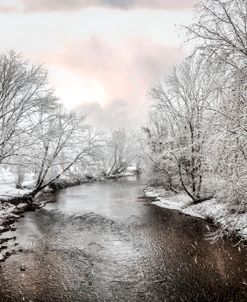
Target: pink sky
(102,55)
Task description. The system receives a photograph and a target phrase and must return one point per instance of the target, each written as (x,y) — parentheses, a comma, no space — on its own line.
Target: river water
(99,242)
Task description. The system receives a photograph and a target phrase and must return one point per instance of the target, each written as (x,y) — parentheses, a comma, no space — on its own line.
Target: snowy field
(8,185)
(211,209)
(8,190)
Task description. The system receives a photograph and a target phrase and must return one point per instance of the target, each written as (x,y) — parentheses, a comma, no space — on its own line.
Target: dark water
(98,243)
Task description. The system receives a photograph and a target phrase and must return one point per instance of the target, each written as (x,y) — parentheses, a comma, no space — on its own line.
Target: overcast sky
(102,55)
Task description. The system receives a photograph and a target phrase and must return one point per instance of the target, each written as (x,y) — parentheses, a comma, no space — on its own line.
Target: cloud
(99,56)
(110,80)
(125,69)
(72,5)
(100,60)
(116,114)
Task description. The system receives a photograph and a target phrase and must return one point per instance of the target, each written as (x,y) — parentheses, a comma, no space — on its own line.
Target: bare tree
(60,141)
(160,163)
(121,151)
(23,88)
(37,136)
(181,103)
(228,142)
(220,30)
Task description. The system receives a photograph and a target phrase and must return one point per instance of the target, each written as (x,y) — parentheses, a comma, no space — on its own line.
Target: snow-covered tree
(121,150)
(228,142)
(179,126)
(23,87)
(37,135)
(220,30)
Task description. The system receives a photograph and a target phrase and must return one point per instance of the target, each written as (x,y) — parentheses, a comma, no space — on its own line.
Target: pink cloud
(125,70)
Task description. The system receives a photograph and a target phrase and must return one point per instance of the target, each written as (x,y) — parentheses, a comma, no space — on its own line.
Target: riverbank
(228,223)
(11,211)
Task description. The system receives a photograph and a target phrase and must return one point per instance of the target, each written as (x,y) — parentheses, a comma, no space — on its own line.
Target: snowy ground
(8,190)
(210,209)
(8,187)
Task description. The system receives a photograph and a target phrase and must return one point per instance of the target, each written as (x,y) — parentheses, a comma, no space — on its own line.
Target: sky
(103,56)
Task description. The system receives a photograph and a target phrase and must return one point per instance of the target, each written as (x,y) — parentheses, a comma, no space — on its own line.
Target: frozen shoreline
(11,212)
(229,223)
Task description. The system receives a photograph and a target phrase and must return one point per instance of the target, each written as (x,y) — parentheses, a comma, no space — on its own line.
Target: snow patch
(8,187)
(210,209)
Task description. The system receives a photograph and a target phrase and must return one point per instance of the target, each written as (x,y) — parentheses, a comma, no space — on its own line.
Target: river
(99,242)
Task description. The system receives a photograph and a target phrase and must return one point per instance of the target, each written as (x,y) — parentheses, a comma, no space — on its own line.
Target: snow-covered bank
(11,211)
(6,211)
(8,192)
(8,188)
(230,223)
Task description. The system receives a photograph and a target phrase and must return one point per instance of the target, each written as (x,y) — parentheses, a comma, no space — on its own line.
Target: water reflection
(97,243)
